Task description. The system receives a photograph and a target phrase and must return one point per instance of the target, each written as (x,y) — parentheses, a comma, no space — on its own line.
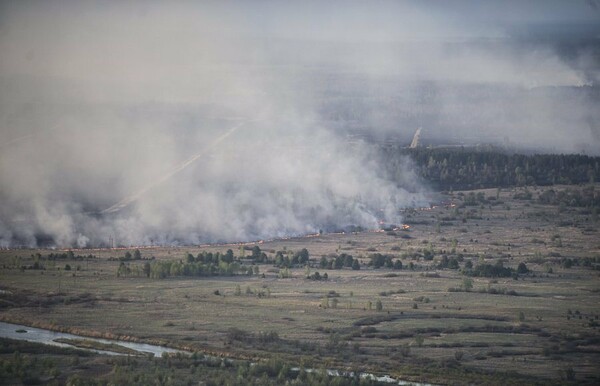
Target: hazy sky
(101,100)
(147,41)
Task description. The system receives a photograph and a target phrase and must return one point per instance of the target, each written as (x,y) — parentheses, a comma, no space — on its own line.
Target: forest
(466,168)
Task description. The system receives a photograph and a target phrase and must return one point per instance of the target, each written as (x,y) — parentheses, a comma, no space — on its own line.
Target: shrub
(522,268)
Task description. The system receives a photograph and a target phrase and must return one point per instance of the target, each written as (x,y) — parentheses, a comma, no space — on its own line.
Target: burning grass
(492,330)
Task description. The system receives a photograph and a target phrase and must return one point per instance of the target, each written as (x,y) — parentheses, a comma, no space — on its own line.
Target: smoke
(269,178)
(154,123)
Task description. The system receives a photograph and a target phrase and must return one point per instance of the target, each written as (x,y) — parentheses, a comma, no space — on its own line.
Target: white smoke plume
(186,122)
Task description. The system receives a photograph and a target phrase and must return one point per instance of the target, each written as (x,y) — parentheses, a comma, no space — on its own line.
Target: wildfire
(404,227)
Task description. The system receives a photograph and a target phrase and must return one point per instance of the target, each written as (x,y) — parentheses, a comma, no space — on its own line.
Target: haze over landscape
(266,192)
(234,121)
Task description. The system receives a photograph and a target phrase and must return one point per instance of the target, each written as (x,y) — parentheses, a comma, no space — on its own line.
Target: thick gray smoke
(156,123)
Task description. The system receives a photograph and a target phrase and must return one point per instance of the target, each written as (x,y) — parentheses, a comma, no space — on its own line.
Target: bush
(522,268)
(489,270)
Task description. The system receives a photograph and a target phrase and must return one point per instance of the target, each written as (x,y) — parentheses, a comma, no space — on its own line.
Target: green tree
(228,256)
(522,268)
(467,284)
(398,264)
(123,270)
(323,263)
(147,269)
(303,256)
(256,252)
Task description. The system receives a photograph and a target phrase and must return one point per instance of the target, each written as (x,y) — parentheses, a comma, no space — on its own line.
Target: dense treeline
(204,264)
(164,269)
(211,264)
(473,168)
(340,261)
(40,261)
(228,264)
(69,255)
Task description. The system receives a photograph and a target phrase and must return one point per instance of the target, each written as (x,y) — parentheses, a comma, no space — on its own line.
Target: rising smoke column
(267,182)
(114,106)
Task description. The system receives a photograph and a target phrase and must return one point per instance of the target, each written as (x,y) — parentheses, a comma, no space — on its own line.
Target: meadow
(446,317)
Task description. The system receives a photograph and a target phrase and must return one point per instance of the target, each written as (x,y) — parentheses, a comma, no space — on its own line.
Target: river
(38,335)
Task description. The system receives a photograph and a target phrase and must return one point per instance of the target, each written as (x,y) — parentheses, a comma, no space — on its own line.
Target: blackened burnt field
(487,286)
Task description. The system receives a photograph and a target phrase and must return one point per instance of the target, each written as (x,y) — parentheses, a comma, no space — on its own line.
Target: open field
(426,321)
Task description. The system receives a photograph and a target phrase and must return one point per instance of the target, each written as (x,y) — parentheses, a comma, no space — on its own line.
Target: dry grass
(484,327)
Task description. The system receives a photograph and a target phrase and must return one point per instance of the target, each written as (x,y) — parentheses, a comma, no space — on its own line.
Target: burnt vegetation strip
(458,168)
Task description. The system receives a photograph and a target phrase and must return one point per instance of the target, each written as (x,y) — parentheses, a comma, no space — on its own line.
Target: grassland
(536,327)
